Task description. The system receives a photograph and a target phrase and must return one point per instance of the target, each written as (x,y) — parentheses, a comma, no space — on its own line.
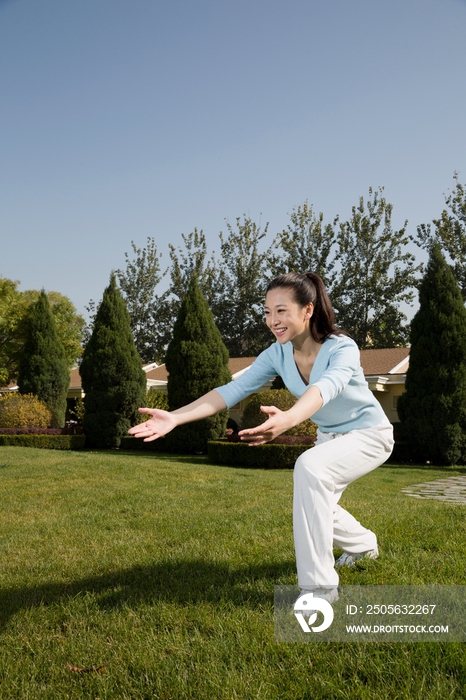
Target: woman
(320,365)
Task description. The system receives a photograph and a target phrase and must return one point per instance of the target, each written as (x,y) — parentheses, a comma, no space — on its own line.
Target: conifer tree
(14,307)
(197,361)
(433,408)
(240,290)
(112,376)
(43,368)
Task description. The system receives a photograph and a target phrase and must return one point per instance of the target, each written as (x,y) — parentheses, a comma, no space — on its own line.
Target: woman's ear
(309,310)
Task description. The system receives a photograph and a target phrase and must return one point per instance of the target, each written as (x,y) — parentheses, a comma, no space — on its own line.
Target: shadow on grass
(193,459)
(182,582)
(149,454)
(204,460)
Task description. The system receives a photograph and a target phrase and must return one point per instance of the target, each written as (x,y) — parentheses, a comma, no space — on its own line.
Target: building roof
(160,373)
(374,363)
(385,361)
(75,379)
(237,364)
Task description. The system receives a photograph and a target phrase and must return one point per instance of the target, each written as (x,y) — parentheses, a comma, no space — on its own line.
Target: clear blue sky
(122,119)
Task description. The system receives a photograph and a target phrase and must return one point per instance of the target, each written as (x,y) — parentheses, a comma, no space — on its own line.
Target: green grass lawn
(161,570)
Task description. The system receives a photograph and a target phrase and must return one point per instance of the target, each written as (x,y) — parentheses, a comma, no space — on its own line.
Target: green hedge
(131,443)
(402,453)
(282,399)
(49,442)
(267,456)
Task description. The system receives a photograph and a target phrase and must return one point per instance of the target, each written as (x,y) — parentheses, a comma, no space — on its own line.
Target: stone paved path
(452,489)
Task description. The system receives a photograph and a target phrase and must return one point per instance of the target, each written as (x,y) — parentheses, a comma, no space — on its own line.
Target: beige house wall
(388,399)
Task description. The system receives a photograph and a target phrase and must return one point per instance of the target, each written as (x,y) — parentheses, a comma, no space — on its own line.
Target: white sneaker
(328,594)
(348,559)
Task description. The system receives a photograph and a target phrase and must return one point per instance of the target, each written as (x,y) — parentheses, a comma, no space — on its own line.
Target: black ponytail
(308,288)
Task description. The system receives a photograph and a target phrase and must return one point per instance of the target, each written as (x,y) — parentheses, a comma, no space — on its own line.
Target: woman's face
(286,319)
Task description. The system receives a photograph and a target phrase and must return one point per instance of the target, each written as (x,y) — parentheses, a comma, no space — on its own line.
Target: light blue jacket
(348,403)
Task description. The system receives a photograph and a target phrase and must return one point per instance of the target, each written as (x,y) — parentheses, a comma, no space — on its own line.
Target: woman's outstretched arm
(161,422)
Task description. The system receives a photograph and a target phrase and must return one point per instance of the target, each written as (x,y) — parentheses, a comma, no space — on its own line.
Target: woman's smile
(279,332)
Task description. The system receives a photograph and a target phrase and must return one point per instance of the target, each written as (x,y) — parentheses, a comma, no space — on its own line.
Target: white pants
(321,474)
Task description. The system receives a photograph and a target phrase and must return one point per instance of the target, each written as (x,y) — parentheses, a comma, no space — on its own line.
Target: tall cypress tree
(112,377)
(43,368)
(433,408)
(197,361)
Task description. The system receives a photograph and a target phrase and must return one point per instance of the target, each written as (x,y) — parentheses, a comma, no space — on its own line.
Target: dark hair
(308,288)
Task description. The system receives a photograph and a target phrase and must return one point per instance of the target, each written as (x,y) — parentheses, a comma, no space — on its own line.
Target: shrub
(43,369)
(281,439)
(131,443)
(197,361)
(23,411)
(49,442)
(282,399)
(32,431)
(69,429)
(433,408)
(154,399)
(112,377)
(268,456)
(78,411)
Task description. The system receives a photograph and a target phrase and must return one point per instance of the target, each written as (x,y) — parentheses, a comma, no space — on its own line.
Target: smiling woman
(320,365)
(293,308)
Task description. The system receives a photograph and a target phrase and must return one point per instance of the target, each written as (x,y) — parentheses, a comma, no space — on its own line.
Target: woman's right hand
(157,426)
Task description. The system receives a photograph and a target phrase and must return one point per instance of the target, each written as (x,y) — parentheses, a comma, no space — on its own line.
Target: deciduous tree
(307,244)
(376,274)
(450,232)
(13,310)
(241,283)
(192,260)
(186,262)
(148,311)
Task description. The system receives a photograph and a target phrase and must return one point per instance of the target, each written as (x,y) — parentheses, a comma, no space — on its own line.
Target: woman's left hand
(276,424)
